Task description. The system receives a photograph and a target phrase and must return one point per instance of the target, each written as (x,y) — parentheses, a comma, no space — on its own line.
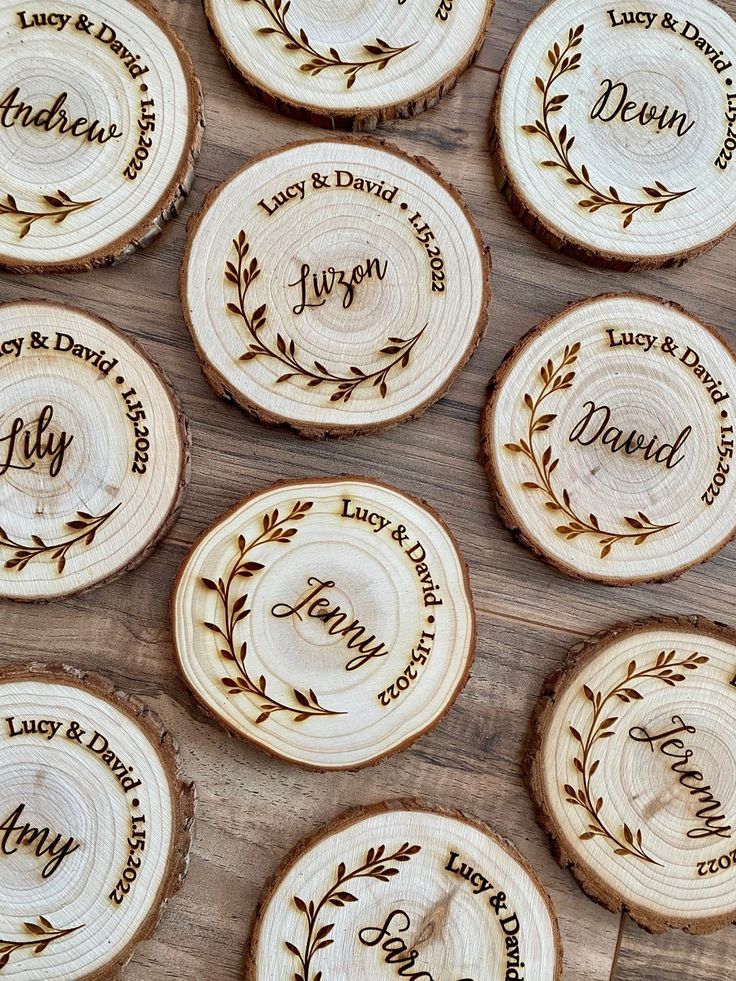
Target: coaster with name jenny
(349,63)
(336,286)
(402,890)
(100,124)
(609,440)
(614,130)
(96,824)
(94,452)
(328,621)
(633,768)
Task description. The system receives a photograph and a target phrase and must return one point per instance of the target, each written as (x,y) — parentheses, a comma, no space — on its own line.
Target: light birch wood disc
(615,130)
(349,63)
(95,824)
(633,766)
(330,622)
(101,121)
(401,891)
(94,452)
(608,440)
(336,286)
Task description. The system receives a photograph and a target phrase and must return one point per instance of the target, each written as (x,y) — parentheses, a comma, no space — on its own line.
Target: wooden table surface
(252,810)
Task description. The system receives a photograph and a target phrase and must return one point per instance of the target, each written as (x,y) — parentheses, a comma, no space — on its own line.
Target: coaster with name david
(609,440)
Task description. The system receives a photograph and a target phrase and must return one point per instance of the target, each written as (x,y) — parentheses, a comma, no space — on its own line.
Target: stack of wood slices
(338,286)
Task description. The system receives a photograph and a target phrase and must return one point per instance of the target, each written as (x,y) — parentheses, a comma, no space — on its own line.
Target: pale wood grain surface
(252,809)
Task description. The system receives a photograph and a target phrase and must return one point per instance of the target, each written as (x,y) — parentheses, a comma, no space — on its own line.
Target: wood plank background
(252,810)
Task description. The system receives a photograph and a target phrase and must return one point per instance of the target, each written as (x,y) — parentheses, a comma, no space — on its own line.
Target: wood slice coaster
(94,452)
(608,440)
(373,295)
(614,130)
(633,766)
(96,824)
(349,64)
(398,890)
(101,122)
(330,622)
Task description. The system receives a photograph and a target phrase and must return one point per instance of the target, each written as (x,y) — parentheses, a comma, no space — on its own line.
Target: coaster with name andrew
(94,452)
(336,286)
(95,824)
(633,767)
(349,65)
(399,890)
(614,129)
(100,124)
(609,440)
(328,621)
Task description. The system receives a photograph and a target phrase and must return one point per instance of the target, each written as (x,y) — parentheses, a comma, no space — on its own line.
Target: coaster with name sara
(403,890)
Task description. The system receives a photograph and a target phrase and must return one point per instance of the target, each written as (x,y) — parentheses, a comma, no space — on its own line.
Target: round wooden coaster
(614,130)
(349,65)
(608,440)
(328,621)
(96,824)
(633,767)
(101,122)
(374,290)
(402,890)
(94,452)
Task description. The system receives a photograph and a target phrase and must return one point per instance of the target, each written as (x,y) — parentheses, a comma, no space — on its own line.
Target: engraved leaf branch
(377,866)
(85,527)
(243,275)
(376,55)
(54,207)
(235,610)
(555,380)
(564,61)
(41,933)
(587,760)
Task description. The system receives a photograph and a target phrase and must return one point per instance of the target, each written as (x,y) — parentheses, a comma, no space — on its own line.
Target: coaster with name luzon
(608,439)
(328,621)
(633,769)
(96,824)
(100,125)
(94,452)
(349,65)
(336,286)
(614,130)
(403,889)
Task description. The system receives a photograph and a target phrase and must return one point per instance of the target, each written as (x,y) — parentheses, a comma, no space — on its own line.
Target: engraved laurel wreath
(562,62)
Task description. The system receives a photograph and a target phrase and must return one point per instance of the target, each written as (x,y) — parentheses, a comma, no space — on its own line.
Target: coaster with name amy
(336,286)
(100,124)
(95,824)
(349,63)
(94,452)
(614,129)
(399,890)
(609,440)
(633,767)
(328,621)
